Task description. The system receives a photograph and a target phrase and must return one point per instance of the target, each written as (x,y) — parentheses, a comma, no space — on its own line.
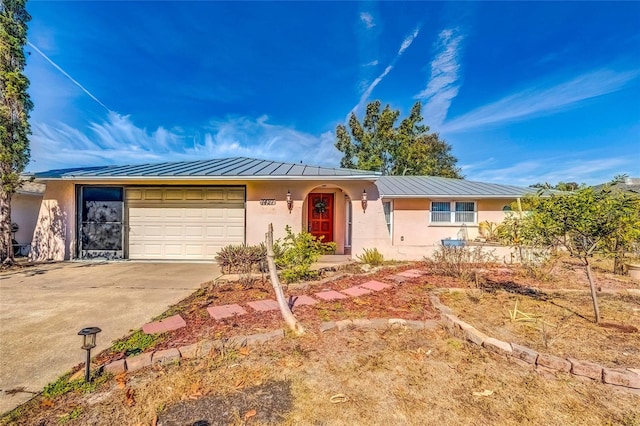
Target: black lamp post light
(88,342)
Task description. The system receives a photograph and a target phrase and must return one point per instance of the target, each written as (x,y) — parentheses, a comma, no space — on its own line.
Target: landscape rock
(586,369)
(474,336)
(116,367)
(553,362)
(431,324)
(344,325)
(137,362)
(326,326)
(208,347)
(397,323)
(625,378)
(235,342)
(449,321)
(189,351)
(379,323)
(362,323)
(524,353)
(496,345)
(255,339)
(165,357)
(415,325)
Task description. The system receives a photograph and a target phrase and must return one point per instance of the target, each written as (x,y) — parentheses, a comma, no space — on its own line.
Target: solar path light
(88,342)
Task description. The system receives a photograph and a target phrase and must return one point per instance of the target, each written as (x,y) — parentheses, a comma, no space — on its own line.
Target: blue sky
(524,92)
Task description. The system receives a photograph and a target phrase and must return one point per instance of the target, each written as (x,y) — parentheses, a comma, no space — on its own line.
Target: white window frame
(390,222)
(453,214)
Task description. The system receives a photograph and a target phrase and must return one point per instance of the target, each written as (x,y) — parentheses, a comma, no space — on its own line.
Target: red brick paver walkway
(225,311)
(264,305)
(303,300)
(374,285)
(168,324)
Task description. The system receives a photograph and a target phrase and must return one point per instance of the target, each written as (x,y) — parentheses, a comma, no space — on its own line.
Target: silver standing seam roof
(224,168)
(241,168)
(439,187)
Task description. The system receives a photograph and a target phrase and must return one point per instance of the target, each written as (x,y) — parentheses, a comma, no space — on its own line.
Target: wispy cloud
(408,40)
(66,74)
(406,43)
(117,140)
(367,19)
(543,100)
(445,73)
(551,170)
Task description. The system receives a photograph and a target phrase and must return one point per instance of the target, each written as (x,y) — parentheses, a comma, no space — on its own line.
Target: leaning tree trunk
(592,286)
(6,240)
(287,315)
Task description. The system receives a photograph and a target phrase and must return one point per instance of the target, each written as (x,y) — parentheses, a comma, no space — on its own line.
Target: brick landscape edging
(195,350)
(629,377)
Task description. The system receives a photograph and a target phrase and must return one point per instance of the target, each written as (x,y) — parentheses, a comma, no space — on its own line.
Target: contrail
(365,95)
(68,76)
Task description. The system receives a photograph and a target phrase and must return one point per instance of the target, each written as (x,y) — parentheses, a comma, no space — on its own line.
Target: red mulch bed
(409,300)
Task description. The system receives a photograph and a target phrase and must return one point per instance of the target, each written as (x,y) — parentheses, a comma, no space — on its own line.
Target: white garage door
(191,223)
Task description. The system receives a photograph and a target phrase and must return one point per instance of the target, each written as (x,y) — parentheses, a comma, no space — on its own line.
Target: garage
(183,223)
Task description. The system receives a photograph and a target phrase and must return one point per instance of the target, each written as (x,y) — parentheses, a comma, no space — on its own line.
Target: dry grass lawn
(386,377)
(394,377)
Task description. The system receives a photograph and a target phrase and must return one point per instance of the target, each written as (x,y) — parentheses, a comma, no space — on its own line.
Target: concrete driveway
(43,307)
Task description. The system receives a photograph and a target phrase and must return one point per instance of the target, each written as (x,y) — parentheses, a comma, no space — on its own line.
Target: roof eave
(454,196)
(210,178)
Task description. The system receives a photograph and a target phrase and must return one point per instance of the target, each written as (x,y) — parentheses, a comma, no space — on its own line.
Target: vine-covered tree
(15,105)
(377,144)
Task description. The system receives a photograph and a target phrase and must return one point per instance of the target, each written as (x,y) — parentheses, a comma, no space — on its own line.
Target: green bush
(299,252)
(371,257)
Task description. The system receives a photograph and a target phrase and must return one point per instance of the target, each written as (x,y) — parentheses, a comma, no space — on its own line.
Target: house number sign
(267,202)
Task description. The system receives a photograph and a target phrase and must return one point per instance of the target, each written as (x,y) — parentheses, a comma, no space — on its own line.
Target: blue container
(453,243)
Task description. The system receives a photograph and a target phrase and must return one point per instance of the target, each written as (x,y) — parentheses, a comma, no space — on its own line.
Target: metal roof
(439,187)
(223,168)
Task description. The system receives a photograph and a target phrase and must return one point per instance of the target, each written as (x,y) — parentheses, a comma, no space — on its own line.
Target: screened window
(440,211)
(102,212)
(453,212)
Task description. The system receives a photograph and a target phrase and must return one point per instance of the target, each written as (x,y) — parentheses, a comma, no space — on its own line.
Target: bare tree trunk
(592,286)
(618,258)
(6,240)
(287,315)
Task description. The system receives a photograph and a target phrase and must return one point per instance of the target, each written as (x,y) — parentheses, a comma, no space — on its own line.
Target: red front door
(321,216)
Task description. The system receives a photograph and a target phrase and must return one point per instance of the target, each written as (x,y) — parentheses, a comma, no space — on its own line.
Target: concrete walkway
(43,307)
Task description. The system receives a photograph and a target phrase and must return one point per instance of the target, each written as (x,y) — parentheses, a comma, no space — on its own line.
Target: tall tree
(377,144)
(15,105)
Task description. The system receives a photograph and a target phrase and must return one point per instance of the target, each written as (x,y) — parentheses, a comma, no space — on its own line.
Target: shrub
(243,259)
(459,262)
(371,257)
(299,252)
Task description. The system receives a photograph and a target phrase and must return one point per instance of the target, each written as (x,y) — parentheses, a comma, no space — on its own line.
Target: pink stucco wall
(413,237)
(54,234)
(24,212)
